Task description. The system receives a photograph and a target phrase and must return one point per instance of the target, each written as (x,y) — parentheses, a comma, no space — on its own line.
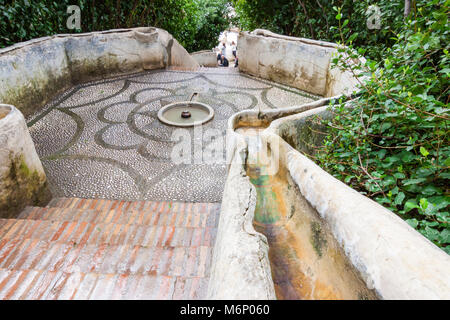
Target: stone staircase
(108,249)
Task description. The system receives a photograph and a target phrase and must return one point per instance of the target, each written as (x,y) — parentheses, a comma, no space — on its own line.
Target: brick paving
(108,249)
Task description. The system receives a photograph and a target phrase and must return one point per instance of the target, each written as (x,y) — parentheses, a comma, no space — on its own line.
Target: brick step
(179,216)
(51,285)
(15,231)
(121,205)
(108,249)
(117,259)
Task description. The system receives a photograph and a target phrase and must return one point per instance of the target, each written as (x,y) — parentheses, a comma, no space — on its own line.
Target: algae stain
(267,209)
(318,239)
(23,187)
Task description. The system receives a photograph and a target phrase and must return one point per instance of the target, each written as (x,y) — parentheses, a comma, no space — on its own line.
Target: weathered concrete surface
(22,177)
(32,72)
(340,233)
(304,134)
(393,259)
(306,260)
(205,58)
(298,62)
(240,266)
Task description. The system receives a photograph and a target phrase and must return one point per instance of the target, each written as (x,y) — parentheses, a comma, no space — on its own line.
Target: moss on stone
(22,186)
(318,239)
(29,97)
(304,135)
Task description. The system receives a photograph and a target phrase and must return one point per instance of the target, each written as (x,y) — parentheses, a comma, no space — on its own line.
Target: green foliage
(392,142)
(196,24)
(315,19)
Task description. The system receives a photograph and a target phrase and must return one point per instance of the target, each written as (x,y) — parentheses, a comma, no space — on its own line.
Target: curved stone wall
(205,58)
(22,177)
(240,269)
(301,63)
(32,72)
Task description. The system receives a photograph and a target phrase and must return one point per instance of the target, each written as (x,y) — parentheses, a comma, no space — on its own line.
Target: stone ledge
(33,72)
(298,62)
(22,177)
(240,266)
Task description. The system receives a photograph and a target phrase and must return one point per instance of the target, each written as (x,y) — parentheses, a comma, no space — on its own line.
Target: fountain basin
(172,114)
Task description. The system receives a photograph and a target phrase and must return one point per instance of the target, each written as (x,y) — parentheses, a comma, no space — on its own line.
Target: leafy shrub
(393,143)
(315,19)
(195,24)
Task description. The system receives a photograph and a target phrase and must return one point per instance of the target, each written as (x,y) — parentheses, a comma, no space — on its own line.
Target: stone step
(14,231)
(37,255)
(179,216)
(106,205)
(108,249)
(51,285)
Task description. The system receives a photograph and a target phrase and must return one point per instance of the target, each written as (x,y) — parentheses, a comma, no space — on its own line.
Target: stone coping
(240,267)
(202,52)
(270,34)
(301,63)
(33,72)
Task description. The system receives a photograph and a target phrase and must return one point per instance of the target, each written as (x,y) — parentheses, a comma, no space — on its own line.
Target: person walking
(233,49)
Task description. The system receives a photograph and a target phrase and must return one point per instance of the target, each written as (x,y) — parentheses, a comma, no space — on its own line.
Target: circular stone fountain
(185,114)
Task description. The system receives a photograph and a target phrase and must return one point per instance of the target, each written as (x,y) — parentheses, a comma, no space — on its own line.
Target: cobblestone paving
(103,139)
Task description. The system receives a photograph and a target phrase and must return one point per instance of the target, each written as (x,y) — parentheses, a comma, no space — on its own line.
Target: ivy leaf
(423,203)
(413,223)
(399,198)
(413,181)
(444,236)
(410,204)
(447,162)
(424,151)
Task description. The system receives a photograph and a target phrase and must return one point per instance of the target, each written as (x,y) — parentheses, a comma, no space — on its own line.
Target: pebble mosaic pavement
(103,139)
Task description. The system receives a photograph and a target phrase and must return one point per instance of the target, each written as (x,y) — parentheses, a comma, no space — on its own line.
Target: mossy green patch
(267,210)
(304,135)
(21,187)
(30,96)
(318,239)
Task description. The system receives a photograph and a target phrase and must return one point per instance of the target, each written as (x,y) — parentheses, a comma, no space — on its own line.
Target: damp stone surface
(103,139)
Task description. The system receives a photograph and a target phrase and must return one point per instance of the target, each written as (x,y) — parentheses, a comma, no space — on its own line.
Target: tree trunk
(307,17)
(407,8)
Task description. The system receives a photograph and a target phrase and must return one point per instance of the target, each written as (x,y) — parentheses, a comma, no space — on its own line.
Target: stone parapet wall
(22,177)
(301,63)
(240,268)
(205,58)
(32,72)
